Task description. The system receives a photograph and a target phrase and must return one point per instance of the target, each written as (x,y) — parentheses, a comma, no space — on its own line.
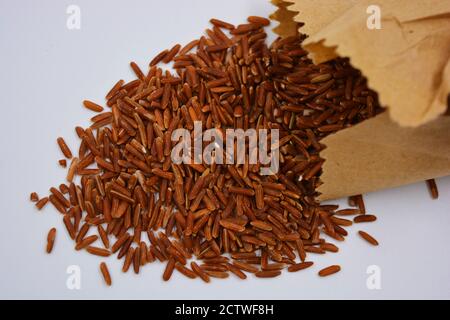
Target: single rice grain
(64,148)
(105,272)
(51,240)
(92,106)
(368,238)
(329,270)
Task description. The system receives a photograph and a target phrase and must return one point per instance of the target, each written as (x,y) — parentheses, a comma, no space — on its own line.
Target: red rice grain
(128,260)
(137,71)
(86,242)
(34,197)
(432,187)
(63,163)
(104,236)
(368,238)
(359,202)
(41,203)
(51,240)
(217,274)
(105,272)
(58,206)
(245,266)
(114,89)
(185,271)
(200,272)
(329,270)
(236,271)
(347,212)
(98,251)
(64,148)
(258,20)
(72,169)
(169,269)
(222,24)
(158,58)
(92,106)
(364,218)
(171,54)
(267,274)
(300,266)
(329,247)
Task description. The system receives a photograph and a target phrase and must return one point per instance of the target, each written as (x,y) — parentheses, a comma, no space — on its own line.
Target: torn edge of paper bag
(287,26)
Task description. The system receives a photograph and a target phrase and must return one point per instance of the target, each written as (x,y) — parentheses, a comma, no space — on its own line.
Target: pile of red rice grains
(228,219)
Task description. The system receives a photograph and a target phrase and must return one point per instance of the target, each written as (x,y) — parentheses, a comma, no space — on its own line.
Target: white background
(46,71)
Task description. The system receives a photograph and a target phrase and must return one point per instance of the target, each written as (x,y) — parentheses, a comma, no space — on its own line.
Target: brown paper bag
(408,62)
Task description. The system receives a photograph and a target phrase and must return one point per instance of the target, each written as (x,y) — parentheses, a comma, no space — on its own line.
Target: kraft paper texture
(407,61)
(392,156)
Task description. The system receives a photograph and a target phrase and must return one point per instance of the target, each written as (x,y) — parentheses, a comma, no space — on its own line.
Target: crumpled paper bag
(407,61)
